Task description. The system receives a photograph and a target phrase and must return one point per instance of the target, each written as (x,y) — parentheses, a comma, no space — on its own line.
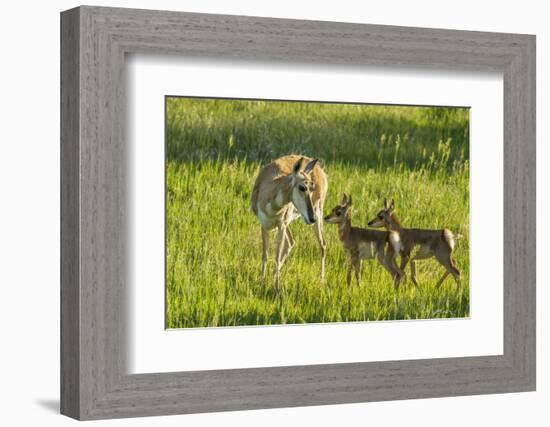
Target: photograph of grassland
(215,150)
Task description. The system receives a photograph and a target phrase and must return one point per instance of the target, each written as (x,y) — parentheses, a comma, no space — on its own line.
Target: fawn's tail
(451,238)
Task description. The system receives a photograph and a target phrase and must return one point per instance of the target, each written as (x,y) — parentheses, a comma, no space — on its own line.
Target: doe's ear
(349,200)
(392,206)
(309,167)
(297,166)
(386,204)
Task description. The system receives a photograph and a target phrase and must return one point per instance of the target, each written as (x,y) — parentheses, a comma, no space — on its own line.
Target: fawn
(360,243)
(419,243)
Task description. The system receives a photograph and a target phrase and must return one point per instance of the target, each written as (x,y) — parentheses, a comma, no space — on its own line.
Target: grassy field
(215,148)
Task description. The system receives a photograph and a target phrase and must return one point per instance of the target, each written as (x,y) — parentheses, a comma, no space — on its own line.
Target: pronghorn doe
(419,243)
(360,243)
(284,190)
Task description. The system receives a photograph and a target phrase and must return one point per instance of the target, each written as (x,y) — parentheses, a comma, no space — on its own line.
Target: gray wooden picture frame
(94,382)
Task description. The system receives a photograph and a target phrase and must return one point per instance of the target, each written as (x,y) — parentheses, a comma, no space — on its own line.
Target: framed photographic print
(261,213)
(236,156)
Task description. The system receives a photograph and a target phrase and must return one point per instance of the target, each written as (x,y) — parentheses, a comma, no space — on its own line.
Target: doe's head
(302,188)
(341,212)
(383,218)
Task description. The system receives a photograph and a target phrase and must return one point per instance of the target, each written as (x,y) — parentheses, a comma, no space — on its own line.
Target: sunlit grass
(215,150)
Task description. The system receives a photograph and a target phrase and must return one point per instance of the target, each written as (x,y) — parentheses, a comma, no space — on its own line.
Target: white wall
(29,212)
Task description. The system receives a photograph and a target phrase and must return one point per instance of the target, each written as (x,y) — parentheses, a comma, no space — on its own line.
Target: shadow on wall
(52,405)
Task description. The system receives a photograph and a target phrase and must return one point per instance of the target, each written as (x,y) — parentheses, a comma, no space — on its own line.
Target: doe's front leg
(281,236)
(322,243)
(265,251)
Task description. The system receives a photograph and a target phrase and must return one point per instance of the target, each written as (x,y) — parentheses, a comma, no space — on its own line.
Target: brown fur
(361,243)
(417,243)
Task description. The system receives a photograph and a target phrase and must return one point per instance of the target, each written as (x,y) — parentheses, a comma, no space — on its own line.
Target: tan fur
(419,243)
(449,238)
(361,243)
(272,202)
(272,178)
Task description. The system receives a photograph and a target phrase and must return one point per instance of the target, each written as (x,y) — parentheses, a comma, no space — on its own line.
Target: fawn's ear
(297,166)
(349,200)
(386,204)
(309,167)
(392,206)
(344,199)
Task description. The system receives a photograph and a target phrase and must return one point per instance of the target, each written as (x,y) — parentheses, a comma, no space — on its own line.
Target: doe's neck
(284,194)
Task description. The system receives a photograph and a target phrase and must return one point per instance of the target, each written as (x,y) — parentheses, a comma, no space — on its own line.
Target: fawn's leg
(446,261)
(440,281)
(391,256)
(455,272)
(385,260)
(350,271)
(357,267)
(353,258)
(404,261)
(413,273)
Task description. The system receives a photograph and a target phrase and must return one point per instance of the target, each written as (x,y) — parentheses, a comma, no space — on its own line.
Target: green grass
(215,148)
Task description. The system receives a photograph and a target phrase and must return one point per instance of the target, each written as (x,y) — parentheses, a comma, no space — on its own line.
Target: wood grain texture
(94,272)
(70,221)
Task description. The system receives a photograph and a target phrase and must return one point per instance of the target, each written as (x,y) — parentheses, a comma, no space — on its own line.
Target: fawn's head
(302,187)
(341,212)
(384,217)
